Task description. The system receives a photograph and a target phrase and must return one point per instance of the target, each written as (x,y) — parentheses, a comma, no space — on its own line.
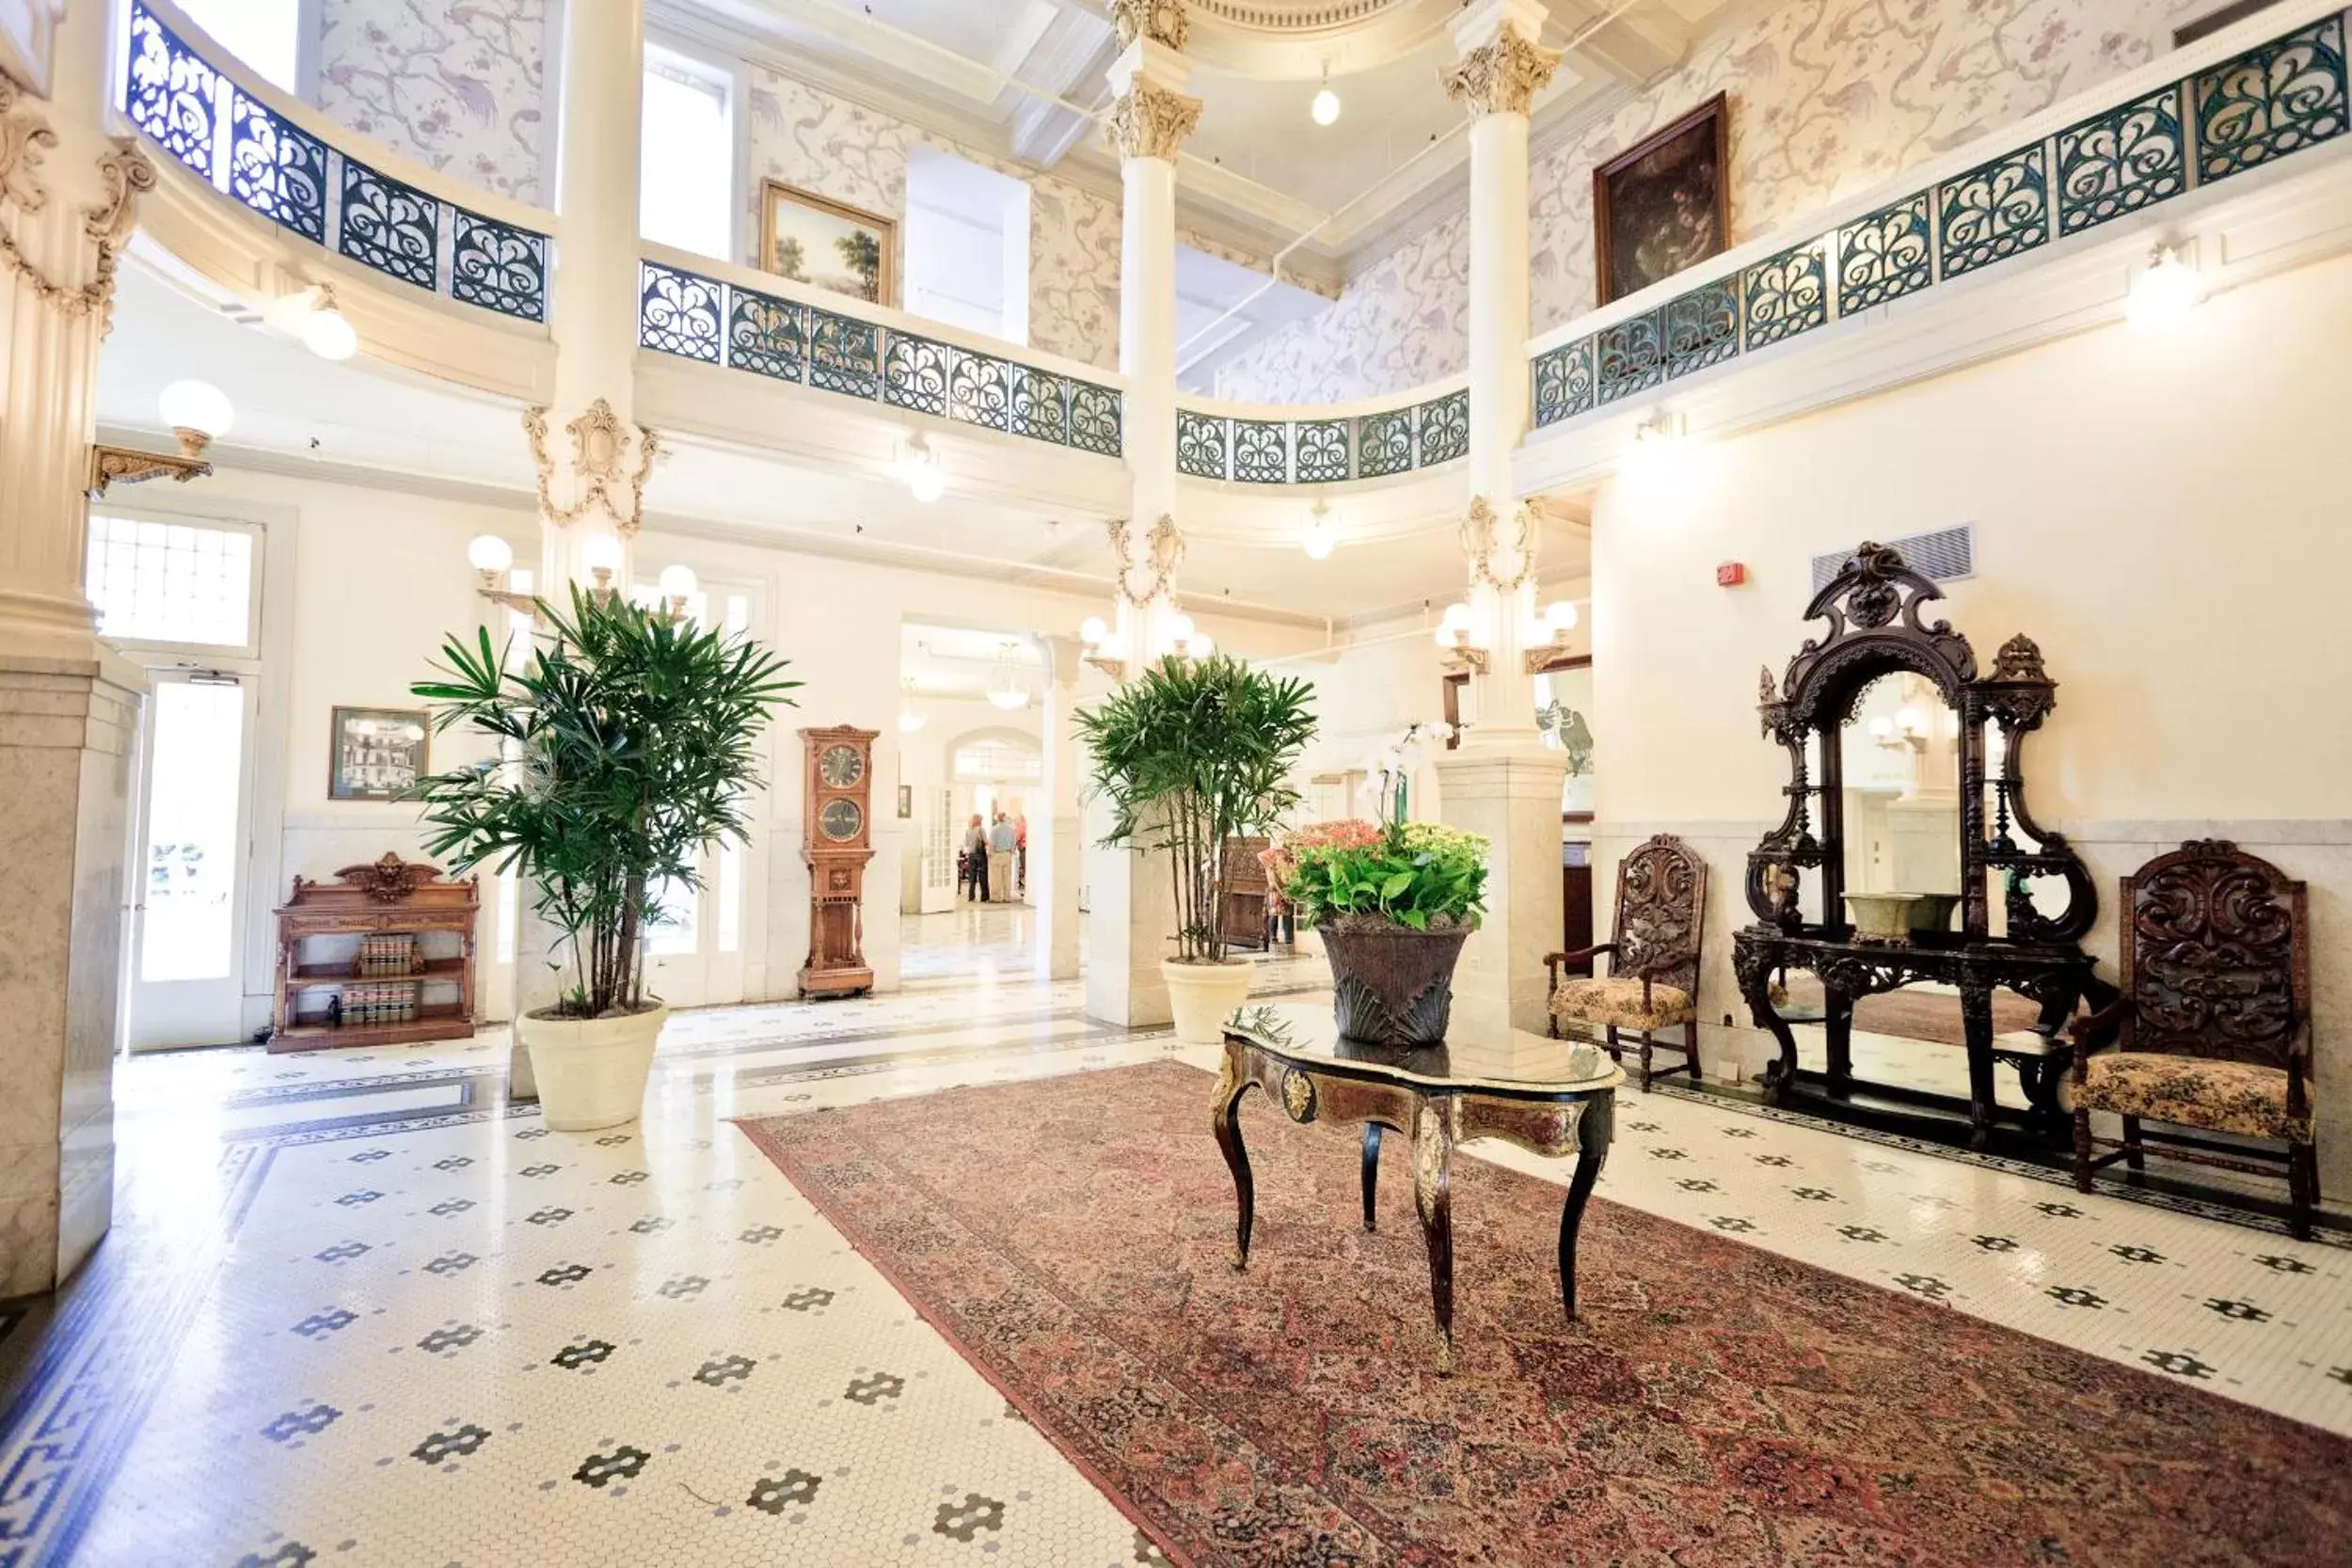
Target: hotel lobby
(1115,782)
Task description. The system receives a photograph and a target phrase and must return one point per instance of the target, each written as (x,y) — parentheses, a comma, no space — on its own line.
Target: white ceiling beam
(1635,47)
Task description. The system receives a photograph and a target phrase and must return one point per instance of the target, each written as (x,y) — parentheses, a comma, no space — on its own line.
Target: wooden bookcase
(322,928)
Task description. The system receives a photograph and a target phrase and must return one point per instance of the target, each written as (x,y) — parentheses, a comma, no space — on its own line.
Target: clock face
(840,767)
(840,819)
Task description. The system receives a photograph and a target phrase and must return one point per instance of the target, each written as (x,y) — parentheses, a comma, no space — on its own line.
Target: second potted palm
(1189,756)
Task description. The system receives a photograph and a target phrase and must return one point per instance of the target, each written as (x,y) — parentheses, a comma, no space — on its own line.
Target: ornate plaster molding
(24,136)
(1164,545)
(600,441)
(1482,541)
(1161,21)
(126,174)
(1146,121)
(1501,77)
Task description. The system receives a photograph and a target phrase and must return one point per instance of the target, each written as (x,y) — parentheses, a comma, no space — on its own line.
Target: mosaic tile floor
(357,1309)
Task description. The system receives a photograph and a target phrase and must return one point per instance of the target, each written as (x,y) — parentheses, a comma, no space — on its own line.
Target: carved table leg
(1223,1119)
(1594,1135)
(1781,1074)
(1838,1029)
(1433,1149)
(1372,1171)
(1976,1014)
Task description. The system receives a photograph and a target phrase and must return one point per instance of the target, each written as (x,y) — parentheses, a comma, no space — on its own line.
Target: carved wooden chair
(1652,978)
(2214,1021)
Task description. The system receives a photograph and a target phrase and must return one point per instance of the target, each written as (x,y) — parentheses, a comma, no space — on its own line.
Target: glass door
(193,833)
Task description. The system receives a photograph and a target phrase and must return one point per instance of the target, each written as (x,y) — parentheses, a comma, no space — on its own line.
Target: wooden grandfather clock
(836,841)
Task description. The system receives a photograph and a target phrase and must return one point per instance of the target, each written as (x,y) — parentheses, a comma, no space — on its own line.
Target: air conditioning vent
(1946,554)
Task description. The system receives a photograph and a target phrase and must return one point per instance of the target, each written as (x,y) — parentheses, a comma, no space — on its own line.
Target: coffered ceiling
(1025,77)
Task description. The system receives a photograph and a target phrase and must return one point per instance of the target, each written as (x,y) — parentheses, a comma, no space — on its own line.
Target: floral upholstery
(1618,1003)
(2191,1091)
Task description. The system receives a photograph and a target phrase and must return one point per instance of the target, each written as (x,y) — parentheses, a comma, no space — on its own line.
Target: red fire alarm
(1731,574)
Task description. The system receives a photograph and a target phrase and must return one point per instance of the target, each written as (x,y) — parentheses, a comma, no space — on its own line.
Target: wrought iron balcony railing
(718,322)
(1323,451)
(2242,113)
(190,106)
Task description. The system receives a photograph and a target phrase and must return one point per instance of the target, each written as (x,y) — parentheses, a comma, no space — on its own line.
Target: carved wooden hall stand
(1549,1097)
(1875,629)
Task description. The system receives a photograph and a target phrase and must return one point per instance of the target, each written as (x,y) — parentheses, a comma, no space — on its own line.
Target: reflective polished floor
(358,1310)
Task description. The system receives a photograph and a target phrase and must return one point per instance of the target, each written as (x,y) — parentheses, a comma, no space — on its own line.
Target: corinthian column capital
(1161,21)
(1500,76)
(1148,121)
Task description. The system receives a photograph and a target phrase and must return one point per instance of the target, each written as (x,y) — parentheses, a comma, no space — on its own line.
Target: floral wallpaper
(854,154)
(456,84)
(1826,97)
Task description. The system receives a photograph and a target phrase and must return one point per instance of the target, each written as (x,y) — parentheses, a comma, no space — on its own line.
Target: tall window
(686,186)
(967,245)
(266,34)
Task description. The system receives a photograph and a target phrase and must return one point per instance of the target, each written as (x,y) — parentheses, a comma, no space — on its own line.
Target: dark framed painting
(377,754)
(1664,205)
(812,239)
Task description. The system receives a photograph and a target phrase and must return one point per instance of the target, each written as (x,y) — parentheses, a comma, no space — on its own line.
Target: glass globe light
(1559,616)
(1092,630)
(1325,108)
(601,553)
(326,333)
(489,553)
(197,406)
(677,582)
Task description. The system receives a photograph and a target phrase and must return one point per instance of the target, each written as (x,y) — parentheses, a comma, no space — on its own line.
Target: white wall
(2165,515)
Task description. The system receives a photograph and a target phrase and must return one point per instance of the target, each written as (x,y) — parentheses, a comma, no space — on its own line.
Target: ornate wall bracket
(1501,77)
(600,440)
(130,465)
(1148,121)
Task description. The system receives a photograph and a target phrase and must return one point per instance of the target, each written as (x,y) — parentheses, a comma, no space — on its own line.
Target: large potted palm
(625,745)
(1189,755)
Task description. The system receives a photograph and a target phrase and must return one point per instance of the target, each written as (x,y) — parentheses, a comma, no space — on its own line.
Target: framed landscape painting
(1664,205)
(379,753)
(811,240)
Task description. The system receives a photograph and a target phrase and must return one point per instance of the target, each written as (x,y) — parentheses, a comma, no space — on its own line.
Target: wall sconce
(1190,640)
(1551,638)
(1455,641)
(602,554)
(1321,538)
(2164,292)
(198,413)
(918,465)
(677,585)
(324,330)
(1099,648)
(492,557)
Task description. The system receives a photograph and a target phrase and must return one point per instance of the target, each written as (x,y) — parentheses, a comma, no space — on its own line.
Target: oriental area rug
(1718,1405)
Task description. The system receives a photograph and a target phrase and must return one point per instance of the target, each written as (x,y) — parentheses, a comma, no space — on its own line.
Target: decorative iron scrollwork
(1384,443)
(1261,451)
(678,312)
(173,93)
(497,266)
(1200,444)
(1787,295)
(390,225)
(1884,256)
(1319,450)
(2273,99)
(1994,212)
(2121,160)
(276,169)
(1632,357)
(1444,428)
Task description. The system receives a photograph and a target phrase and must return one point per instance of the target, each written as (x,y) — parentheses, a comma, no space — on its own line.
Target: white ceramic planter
(591,1072)
(1203,996)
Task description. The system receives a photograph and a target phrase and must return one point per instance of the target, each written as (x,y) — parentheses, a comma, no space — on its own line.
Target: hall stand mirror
(1905,815)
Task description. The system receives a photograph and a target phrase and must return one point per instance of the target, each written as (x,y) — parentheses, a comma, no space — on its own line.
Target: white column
(1056,833)
(1131,907)
(1503,782)
(69,707)
(592,456)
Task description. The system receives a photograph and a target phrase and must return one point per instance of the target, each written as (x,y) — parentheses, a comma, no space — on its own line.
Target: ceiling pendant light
(1325,108)
(1005,691)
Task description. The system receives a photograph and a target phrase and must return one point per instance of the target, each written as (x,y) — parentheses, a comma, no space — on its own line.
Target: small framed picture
(1664,205)
(378,752)
(906,802)
(846,249)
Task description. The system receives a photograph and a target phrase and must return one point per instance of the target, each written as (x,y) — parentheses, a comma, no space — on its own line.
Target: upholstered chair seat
(2245,1097)
(1612,1001)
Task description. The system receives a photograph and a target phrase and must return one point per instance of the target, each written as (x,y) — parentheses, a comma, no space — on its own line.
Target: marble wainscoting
(68,729)
(2317,850)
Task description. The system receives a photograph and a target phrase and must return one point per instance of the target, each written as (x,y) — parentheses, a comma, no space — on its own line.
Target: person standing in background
(1021,849)
(976,859)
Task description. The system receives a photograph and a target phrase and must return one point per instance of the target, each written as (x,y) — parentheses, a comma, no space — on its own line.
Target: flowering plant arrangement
(1419,874)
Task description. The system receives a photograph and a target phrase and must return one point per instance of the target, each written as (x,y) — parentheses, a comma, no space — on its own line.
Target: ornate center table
(1550,1097)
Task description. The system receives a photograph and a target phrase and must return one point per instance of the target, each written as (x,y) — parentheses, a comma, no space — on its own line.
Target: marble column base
(67,730)
(1509,791)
